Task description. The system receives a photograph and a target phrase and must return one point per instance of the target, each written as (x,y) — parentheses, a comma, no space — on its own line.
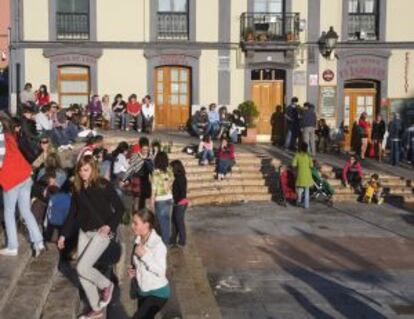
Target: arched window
(72,19)
(172,20)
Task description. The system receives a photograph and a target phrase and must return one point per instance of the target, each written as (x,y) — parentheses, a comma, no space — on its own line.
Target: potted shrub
(249,35)
(248,110)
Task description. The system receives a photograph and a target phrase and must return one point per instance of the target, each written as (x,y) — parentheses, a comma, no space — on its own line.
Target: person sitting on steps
(205,151)
(352,174)
(225,158)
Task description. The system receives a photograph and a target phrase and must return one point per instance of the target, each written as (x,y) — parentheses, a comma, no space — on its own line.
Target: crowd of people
(85,205)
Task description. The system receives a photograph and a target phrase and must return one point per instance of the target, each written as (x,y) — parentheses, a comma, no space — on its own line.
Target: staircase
(245,182)
(395,187)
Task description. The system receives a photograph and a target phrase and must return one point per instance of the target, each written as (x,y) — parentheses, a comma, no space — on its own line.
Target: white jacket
(152,267)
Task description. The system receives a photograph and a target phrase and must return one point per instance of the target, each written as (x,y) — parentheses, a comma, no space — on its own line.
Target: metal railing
(172,26)
(267,26)
(363,26)
(72,26)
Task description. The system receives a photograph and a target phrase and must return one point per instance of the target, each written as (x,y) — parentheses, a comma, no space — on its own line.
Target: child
(287,183)
(373,191)
(303,163)
(205,151)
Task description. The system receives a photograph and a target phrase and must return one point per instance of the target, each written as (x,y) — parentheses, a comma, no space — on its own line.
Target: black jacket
(179,188)
(378,130)
(93,208)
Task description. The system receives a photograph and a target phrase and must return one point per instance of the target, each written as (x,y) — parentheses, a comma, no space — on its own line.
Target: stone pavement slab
(264,261)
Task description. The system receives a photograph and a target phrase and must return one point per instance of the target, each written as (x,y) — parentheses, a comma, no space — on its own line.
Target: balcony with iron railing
(363,26)
(72,26)
(269,28)
(172,26)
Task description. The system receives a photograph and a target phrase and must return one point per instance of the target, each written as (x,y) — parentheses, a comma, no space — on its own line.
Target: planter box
(251,136)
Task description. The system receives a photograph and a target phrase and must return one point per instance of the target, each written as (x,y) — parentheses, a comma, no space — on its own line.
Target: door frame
(189,90)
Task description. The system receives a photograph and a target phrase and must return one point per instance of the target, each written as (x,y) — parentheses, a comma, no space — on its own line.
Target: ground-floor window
(73,85)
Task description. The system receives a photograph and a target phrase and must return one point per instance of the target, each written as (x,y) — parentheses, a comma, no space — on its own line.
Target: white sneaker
(139,130)
(8,252)
(61,148)
(69,147)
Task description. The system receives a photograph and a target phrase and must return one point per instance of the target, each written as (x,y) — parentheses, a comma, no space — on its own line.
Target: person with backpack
(98,210)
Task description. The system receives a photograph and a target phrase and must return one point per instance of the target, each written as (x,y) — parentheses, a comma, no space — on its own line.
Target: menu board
(327,102)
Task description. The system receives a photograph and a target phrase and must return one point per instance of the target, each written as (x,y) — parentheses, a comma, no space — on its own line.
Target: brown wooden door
(267,95)
(73,85)
(172,96)
(356,102)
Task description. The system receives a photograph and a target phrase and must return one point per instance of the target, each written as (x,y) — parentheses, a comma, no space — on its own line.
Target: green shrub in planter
(248,110)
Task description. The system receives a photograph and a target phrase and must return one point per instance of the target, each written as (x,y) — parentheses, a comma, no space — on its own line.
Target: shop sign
(328,75)
(313,79)
(363,67)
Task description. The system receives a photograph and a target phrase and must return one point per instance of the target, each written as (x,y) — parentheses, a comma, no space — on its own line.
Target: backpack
(58,208)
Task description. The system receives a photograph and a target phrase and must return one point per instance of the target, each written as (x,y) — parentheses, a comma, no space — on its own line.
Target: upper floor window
(72,20)
(363,19)
(172,20)
(271,6)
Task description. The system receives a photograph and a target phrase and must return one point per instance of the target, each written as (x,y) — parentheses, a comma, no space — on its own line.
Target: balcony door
(172,96)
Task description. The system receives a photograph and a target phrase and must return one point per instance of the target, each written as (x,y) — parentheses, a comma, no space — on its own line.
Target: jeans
(60,137)
(93,118)
(162,212)
(137,119)
(122,118)
(412,151)
(178,225)
(207,155)
(149,306)
(288,138)
(91,246)
(72,131)
(20,194)
(224,166)
(215,129)
(395,152)
(299,191)
(234,136)
(309,138)
(198,130)
(148,121)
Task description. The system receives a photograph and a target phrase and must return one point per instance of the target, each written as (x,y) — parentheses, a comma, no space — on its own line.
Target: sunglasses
(44,142)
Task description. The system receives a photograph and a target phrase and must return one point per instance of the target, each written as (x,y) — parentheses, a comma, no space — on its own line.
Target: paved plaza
(352,261)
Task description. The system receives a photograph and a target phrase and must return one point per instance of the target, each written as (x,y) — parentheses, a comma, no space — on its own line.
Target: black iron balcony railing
(72,26)
(262,27)
(172,26)
(363,26)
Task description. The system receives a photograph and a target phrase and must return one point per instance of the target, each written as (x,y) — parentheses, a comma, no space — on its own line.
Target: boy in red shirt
(134,112)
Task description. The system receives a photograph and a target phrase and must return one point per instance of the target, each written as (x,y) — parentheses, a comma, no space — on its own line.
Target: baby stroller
(285,186)
(321,188)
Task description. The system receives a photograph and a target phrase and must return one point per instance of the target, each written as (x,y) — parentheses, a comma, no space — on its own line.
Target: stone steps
(32,288)
(226,183)
(225,190)
(225,199)
(11,269)
(211,168)
(340,198)
(207,176)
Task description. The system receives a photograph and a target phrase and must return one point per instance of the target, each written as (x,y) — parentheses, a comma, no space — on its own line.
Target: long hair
(52,163)
(161,161)
(178,168)
(94,178)
(44,87)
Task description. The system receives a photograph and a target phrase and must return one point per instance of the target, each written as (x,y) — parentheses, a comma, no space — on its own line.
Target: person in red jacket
(16,181)
(42,96)
(352,174)
(134,112)
(225,158)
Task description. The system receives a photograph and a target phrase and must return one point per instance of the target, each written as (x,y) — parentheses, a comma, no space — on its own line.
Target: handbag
(372,152)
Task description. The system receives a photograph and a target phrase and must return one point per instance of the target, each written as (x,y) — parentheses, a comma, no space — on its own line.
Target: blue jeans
(395,152)
(178,225)
(72,131)
(299,191)
(20,194)
(198,130)
(60,137)
(207,155)
(288,138)
(163,213)
(215,129)
(234,137)
(122,118)
(224,166)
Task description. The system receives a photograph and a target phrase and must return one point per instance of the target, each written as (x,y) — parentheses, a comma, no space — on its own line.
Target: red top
(356,167)
(365,125)
(229,154)
(15,169)
(42,99)
(134,107)
(136,148)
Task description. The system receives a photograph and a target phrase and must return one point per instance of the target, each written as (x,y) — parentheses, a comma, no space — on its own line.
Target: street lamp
(327,42)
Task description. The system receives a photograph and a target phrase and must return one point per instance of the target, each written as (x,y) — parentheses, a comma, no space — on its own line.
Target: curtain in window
(172,5)
(273,6)
(362,6)
(73,6)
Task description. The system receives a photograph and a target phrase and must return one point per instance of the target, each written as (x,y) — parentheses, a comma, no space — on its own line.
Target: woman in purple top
(94,110)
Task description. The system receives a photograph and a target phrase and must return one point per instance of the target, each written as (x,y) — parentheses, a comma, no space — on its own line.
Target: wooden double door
(267,95)
(358,101)
(172,96)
